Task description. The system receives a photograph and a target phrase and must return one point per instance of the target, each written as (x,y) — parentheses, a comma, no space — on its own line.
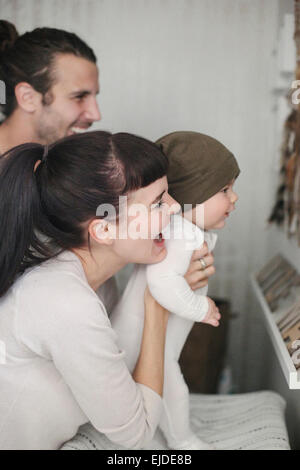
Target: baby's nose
(234,197)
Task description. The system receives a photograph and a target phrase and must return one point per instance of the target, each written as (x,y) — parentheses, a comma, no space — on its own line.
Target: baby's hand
(213,315)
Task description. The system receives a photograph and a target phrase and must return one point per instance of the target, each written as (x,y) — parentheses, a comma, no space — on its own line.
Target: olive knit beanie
(199,166)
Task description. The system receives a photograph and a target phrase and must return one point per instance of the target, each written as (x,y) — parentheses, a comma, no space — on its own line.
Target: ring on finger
(203,263)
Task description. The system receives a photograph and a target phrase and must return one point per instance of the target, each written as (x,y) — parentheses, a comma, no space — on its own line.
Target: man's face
(73,107)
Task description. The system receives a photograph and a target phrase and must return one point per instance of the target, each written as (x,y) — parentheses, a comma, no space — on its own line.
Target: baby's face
(212,214)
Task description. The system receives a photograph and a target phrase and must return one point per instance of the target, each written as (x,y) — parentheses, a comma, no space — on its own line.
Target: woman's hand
(196,276)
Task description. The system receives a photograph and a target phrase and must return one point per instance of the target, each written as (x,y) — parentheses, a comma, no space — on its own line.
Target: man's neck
(15,130)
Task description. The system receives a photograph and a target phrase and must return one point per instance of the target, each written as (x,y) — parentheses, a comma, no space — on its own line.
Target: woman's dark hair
(43,212)
(30,58)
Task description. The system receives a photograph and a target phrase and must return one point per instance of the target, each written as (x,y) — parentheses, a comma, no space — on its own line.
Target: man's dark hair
(30,58)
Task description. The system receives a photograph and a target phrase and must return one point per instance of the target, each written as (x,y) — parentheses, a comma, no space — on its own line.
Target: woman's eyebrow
(158,197)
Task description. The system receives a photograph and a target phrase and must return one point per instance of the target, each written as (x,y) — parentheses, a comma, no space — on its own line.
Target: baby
(201,175)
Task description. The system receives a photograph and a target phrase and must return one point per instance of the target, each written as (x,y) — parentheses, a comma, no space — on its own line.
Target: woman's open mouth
(159,240)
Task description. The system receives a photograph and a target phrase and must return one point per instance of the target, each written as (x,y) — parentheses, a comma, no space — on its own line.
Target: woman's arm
(149,369)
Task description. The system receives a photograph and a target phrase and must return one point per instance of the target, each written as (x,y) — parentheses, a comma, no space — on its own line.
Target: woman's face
(147,213)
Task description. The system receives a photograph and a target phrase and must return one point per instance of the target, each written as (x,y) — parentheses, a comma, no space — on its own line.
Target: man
(51,81)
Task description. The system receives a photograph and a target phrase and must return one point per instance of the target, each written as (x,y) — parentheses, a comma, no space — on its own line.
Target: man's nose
(92,110)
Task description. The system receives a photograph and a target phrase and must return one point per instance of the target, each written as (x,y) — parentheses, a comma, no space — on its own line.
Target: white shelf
(290,372)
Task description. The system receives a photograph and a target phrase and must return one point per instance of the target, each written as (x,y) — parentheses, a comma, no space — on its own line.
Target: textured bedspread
(248,421)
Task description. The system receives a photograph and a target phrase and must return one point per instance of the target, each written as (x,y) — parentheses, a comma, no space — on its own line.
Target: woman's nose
(174,206)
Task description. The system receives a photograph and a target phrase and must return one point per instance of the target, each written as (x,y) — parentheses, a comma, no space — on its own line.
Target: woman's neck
(98,265)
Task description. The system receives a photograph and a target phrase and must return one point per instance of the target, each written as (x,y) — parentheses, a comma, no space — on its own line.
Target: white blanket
(248,421)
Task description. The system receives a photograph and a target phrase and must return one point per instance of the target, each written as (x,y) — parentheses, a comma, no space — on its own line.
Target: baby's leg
(127,318)
(175,422)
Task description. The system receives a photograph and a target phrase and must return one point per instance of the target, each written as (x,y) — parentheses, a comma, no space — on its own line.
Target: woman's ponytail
(20,211)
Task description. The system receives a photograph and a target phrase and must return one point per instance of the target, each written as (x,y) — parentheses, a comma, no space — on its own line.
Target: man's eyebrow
(82,93)
(158,197)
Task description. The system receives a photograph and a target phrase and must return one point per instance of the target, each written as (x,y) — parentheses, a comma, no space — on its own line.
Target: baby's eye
(224,190)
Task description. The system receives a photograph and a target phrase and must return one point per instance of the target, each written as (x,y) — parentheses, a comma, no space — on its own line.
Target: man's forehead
(75,74)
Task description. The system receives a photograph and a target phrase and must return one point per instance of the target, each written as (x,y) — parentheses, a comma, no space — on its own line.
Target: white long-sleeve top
(62,365)
(166,279)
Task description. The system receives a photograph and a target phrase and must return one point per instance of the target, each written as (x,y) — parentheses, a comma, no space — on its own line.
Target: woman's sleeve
(66,323)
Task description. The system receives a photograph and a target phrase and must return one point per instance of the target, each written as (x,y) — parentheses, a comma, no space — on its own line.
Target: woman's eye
(158,205)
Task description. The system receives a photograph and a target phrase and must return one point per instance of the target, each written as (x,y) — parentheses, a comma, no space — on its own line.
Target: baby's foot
(193,443)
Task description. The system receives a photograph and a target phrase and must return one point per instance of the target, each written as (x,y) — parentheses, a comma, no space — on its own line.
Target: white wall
(205,65)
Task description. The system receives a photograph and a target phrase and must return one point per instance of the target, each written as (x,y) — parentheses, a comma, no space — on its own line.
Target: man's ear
(101,231)
(27,97)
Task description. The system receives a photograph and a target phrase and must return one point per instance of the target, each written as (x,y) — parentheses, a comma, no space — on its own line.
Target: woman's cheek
(159,221)
(156,220)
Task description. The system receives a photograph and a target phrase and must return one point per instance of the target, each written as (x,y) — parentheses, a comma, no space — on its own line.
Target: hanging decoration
(286,209)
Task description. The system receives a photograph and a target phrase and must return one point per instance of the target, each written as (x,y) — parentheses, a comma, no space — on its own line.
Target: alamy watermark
(2,92)
(135,221)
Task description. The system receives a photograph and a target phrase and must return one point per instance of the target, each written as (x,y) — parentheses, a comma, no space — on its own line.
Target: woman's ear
(101,231)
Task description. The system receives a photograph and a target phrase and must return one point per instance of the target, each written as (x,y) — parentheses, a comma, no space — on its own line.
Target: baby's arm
(169,287)
(174,294)
(166,279)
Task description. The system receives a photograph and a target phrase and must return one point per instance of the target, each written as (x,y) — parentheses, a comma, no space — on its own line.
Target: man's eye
(79,97)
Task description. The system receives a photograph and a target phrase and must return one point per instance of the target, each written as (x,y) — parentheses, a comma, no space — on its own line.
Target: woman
(58,247)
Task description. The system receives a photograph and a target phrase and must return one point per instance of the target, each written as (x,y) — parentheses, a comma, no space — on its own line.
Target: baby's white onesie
(168,286)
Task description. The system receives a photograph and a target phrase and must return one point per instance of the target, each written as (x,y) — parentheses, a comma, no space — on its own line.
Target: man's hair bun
(8,35)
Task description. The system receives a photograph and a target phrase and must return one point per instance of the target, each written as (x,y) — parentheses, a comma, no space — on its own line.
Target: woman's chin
(158,253)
